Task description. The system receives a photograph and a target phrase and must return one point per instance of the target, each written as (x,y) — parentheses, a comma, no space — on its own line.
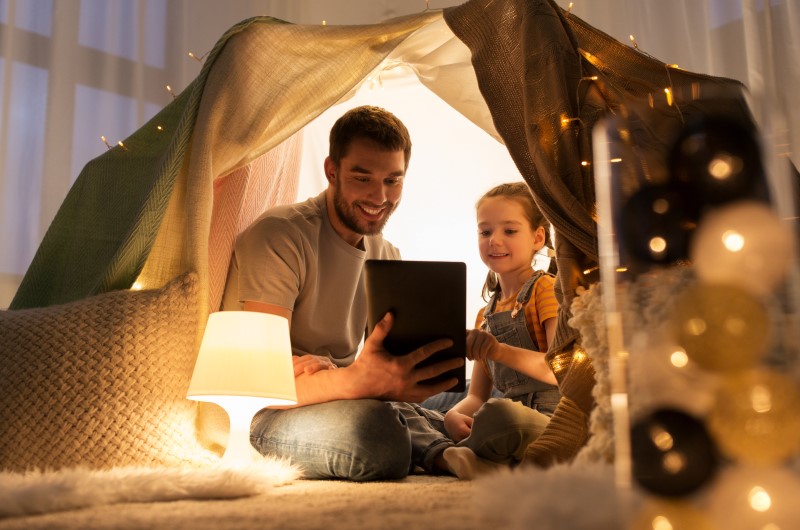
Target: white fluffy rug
(575,497)
(38,492)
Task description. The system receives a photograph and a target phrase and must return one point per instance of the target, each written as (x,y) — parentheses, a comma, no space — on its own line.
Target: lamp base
(239,451)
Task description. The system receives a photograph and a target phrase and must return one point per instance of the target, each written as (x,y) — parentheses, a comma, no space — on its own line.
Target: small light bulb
(733,240)
(679,359)
(761,399)
(759,499)
(658,245)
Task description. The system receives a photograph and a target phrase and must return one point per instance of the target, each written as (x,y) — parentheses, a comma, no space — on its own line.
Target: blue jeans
(357,440)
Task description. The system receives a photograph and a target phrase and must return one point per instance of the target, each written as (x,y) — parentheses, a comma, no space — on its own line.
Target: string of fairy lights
(566,121)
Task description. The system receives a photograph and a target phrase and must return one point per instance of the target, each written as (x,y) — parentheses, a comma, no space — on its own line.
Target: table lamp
(244,365)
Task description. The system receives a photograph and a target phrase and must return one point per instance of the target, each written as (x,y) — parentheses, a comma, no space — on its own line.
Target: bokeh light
(721,327)
(755,417)
(763,498)
(678,358)
(744,243)
(664,514)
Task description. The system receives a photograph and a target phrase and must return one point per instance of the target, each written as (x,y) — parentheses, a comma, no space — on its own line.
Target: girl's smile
(506,240)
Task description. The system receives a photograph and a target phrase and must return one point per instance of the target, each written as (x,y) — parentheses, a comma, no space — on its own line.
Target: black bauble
(672,453)
(656,225)
(717,160)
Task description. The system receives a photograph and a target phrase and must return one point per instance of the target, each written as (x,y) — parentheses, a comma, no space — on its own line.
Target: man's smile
(372,211)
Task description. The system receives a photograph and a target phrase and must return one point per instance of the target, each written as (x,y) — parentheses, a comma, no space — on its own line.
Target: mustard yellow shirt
(543,307)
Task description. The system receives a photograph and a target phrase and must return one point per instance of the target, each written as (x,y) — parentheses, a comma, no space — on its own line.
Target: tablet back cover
(428,300)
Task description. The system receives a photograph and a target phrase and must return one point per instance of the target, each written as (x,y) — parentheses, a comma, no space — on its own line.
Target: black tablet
(428,300)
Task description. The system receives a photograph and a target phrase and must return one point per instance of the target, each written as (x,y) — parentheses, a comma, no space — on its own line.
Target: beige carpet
(435,503)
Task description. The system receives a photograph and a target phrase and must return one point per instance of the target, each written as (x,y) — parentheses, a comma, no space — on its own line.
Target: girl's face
(506,240)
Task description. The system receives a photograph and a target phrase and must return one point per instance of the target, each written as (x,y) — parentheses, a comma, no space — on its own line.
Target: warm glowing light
(244,364)
(735,326)
(584,163)
(675,66)
(766,254)
(621,269)
(723,165)
(159,128)
(661,523)
(633,41)
(660,206)
(615,160)
(137,286)
(169,89)
(565,121)
(103,138)
(661,438)
(674,462)
(122,145)
(696,326)
(196,58)
(668,93)
(733,240)
(657,245)
(569,7)
(324,22)
(761,399)
(679,359)
(578,356)
(759,499)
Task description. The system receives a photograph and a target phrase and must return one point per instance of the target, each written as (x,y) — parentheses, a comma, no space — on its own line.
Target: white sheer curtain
(72,71)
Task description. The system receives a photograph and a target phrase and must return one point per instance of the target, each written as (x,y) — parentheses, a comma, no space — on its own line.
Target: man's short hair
(372,123)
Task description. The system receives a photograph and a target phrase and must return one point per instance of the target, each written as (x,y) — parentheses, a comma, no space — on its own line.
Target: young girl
(512,334)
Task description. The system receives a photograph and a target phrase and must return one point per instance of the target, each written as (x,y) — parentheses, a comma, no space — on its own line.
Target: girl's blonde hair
(520,192)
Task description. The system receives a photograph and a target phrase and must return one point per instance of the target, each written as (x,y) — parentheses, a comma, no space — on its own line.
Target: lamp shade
(244,354)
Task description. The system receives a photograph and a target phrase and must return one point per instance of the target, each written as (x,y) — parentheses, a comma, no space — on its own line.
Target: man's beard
(349,217)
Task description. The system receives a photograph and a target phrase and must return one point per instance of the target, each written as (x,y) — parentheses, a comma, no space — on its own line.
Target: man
(304,261)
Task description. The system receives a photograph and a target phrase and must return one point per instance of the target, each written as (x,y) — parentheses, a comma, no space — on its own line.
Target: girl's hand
(481,345)
(310,364)
(457,425)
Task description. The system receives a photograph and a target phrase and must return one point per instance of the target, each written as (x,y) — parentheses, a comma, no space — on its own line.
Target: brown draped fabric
(547,78)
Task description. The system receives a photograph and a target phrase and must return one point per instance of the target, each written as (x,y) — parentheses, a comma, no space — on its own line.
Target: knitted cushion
(100,382)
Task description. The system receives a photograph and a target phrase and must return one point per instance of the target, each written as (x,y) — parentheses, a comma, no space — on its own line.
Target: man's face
(367,187)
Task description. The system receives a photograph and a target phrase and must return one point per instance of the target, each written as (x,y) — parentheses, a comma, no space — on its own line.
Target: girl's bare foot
(466,465)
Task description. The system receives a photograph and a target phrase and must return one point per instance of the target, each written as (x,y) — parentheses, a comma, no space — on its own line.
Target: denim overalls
(509,327)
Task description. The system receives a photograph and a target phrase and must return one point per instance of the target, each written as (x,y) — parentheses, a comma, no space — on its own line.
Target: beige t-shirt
(292,257)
